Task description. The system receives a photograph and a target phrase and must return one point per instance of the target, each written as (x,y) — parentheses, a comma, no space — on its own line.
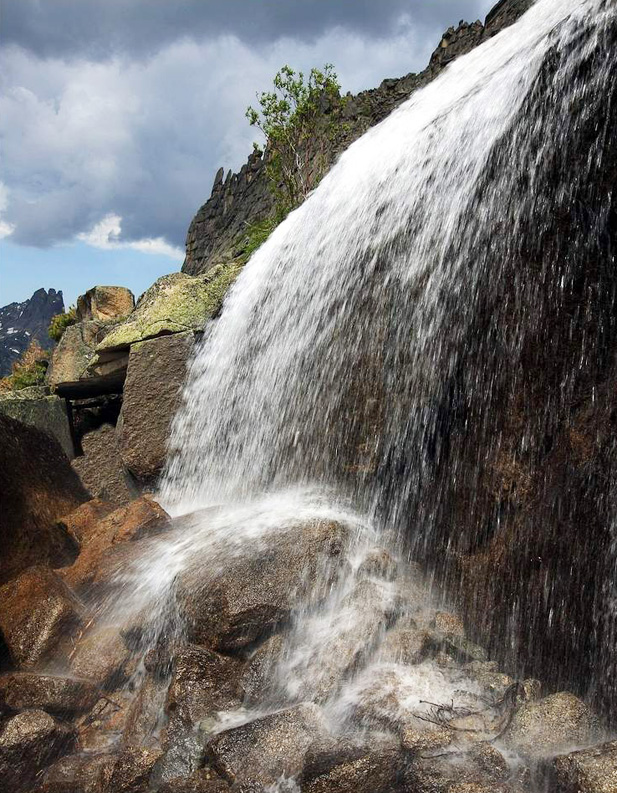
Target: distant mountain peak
(20,323)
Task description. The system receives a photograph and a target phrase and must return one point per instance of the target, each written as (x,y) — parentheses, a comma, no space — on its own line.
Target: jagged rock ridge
(20,323)
(217,231)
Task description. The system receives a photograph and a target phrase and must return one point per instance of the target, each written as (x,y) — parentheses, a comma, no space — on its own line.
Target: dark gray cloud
(102,27)
(117,113)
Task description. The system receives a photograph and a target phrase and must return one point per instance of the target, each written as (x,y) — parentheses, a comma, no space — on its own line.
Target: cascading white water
(360,294)
(317,392)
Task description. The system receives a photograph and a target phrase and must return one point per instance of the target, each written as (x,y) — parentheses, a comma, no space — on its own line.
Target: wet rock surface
(587,771)
(227,615)
(261,751)
(38,611)
(202,683)
(348,767)
(29,742)
(55,695)
(138,520)
(547,726)
(79,774)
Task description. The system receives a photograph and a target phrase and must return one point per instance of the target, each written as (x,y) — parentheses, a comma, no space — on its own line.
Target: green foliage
(257,233)
(60,322)
(28,371)
(297,131)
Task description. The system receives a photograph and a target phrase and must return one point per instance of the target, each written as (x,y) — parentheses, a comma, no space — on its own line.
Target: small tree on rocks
(297,131)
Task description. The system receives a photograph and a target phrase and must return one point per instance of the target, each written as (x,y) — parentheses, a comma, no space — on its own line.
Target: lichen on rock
(174,304)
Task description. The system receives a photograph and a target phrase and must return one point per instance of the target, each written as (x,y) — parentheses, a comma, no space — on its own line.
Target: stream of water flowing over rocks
(292,627)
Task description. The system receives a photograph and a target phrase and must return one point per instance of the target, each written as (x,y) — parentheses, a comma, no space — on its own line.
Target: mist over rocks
(293,639)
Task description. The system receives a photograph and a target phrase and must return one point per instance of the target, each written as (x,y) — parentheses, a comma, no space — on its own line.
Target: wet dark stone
(56,695)
(29,742)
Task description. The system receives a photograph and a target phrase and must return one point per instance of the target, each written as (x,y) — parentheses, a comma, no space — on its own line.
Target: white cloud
(142,139)
(6,229)
(107,235)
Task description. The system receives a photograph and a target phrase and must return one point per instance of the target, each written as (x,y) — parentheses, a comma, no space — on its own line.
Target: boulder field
(293,661)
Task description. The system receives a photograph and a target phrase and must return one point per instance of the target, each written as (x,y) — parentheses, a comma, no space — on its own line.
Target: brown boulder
(229,607)
(38,610)
(345,768)
(544,727)
(37,487)
(82,773)
(203,682)
(101,469)
(102,658)
(132,771)
(156,373)
(81,524)
(201,781)
(56,695)
(588,771)
(105,303)
(29,742)
(256,679)
(138,520)
(76,370)
(260,752)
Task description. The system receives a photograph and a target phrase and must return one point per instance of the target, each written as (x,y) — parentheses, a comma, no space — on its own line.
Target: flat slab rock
(29,742)
(259,752)
(247,597)
(58,695)
(38,610)
(591,770)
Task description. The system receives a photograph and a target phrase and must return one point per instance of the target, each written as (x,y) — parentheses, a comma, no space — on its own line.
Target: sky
(116,114)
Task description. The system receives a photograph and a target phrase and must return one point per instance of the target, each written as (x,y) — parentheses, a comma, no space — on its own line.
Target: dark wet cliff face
(466,388)
(518,496)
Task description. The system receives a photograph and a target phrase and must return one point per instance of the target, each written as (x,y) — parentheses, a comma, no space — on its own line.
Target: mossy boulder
(174,304)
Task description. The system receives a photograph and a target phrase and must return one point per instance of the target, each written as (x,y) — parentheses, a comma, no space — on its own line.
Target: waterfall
(394,340)
(332,358)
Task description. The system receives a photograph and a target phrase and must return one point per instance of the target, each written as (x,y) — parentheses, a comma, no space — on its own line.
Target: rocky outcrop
(174,304)
(218,231)
(105,303)
(156,372)
(37,408)
(21,323)
(38,486)
(38,611)
(77,371)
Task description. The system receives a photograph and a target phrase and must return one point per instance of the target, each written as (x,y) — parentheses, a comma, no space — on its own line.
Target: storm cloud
(119,112)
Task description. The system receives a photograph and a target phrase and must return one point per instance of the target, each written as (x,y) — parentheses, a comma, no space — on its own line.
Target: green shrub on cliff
(28,371)
(298,131)
(60,322)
